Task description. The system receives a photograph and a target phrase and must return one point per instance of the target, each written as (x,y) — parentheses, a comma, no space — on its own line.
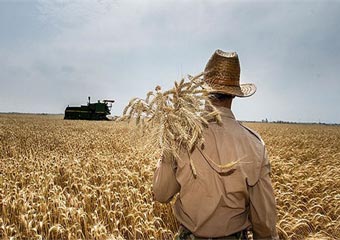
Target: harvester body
(91,111)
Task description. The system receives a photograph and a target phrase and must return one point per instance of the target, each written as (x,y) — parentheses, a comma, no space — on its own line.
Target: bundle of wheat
(175,118)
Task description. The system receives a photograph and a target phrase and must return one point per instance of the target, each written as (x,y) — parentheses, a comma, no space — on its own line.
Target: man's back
(219,200)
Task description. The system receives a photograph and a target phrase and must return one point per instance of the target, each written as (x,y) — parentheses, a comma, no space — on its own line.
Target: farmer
(221,202)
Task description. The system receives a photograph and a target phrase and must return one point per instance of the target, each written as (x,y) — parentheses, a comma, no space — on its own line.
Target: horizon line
(256,121)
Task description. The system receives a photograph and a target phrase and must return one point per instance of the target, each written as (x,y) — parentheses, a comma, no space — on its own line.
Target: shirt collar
(226,112)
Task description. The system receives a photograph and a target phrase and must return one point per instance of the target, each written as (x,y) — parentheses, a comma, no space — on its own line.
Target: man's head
(222,75)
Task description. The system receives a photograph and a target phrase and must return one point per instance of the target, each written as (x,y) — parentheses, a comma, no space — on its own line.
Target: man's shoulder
(252,132)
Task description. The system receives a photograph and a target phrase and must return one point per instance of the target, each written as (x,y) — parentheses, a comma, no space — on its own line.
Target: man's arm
(262,205)
(165,185)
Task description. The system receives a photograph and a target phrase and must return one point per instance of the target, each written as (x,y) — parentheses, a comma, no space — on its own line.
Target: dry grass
(306,178)
(77,180)
(92,180)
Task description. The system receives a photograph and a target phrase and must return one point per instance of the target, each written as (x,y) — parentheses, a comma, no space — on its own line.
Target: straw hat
(222,75)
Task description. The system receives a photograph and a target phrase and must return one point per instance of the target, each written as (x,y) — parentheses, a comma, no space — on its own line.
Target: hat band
(223,87)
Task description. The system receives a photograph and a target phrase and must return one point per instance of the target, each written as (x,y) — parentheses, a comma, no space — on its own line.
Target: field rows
(92,180)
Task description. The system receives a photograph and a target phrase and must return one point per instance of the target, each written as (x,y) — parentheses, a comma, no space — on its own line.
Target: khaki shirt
(220,202)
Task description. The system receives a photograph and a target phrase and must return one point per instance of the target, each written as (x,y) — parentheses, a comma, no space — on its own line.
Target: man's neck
(226,103)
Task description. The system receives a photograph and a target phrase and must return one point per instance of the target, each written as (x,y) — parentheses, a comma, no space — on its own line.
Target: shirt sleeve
(262,205)
(165,185)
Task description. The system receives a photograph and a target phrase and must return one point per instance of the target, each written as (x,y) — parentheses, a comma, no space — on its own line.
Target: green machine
(91,111)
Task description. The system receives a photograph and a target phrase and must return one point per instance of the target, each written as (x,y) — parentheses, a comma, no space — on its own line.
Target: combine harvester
(92,111)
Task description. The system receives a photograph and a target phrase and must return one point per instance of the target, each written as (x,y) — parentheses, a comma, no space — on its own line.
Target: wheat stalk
(175,118)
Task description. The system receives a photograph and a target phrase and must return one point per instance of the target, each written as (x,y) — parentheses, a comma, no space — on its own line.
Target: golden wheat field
(93,180)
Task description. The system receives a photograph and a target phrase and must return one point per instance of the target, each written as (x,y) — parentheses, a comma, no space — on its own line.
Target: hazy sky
(55,53)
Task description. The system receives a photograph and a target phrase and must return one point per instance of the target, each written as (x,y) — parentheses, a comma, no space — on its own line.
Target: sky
(55,53)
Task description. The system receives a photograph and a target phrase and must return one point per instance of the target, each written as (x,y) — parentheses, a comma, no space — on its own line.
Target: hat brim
(244,90)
